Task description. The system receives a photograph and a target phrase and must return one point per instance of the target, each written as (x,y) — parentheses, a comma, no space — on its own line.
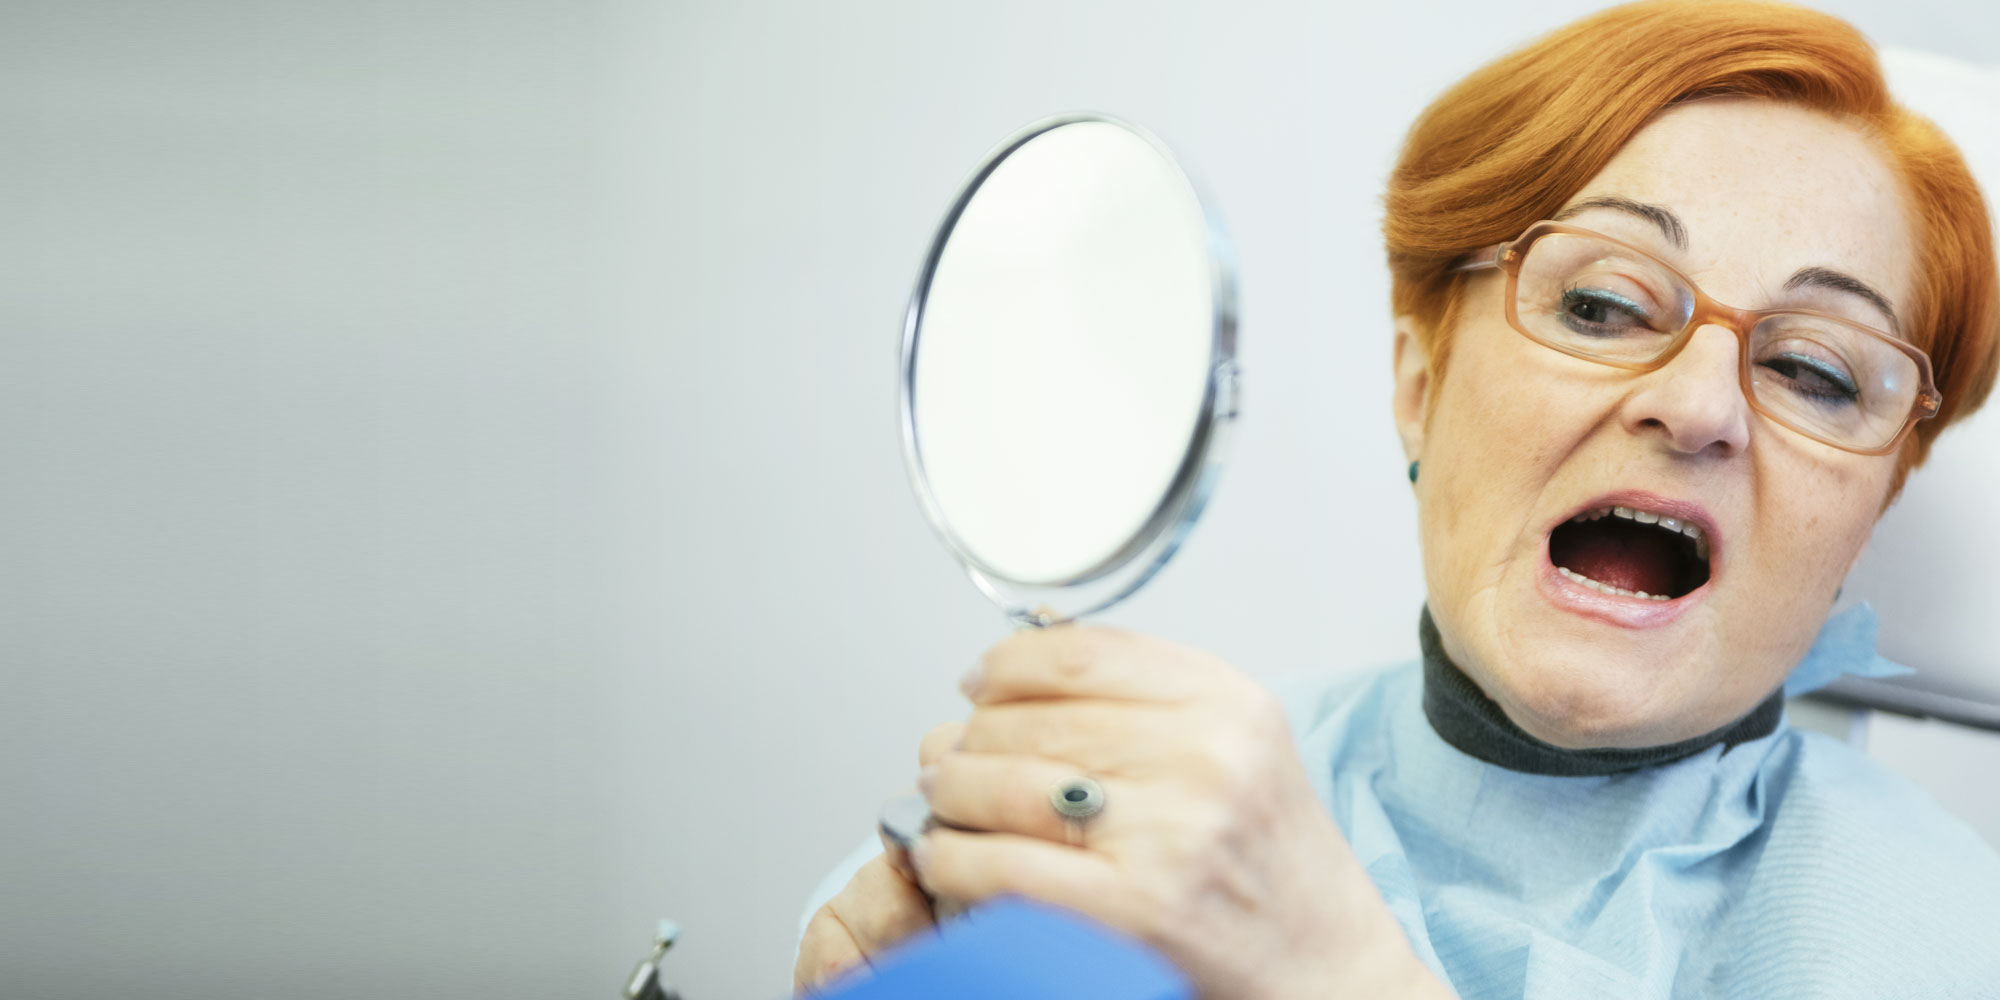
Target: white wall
(454,513)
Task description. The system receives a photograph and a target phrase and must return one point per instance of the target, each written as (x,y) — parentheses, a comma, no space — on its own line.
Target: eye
(1602,312)
(1817,379)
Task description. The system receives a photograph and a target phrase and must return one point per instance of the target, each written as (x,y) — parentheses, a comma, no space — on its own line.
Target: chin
(1576,720)
(1598,691)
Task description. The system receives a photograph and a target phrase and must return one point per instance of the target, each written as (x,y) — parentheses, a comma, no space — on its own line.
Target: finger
(880,908)
(826,952)
(973,867)
(1103,737)
(939,741)
(896,855)
(1006,794)
(1089,661)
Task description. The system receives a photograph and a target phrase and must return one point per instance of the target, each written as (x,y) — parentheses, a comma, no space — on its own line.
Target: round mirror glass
(1068,366)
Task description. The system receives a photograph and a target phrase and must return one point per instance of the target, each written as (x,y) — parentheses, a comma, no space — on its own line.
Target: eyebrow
(1669,223)
(1826,277)
(1676,233)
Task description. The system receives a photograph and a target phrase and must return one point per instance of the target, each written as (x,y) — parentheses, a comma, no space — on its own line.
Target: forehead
(1763,190)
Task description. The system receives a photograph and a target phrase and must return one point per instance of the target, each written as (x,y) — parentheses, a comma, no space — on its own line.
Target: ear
(1413,387)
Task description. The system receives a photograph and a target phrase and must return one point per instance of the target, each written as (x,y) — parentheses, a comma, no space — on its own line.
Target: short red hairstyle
(1510,144)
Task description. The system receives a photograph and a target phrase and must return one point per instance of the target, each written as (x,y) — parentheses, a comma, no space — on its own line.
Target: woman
(1637,506)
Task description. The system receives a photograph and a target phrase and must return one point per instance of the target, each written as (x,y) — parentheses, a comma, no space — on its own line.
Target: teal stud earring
(1413,472)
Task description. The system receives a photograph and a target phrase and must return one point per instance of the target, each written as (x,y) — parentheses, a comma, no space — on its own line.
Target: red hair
(1513,142)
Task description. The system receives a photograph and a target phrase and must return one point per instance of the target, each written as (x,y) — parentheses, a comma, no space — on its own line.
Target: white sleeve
(837,880)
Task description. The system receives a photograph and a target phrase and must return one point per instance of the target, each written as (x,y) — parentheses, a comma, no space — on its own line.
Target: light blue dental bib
(1791,866)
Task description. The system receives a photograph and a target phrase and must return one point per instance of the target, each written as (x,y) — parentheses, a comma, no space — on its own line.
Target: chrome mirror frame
(1125,570)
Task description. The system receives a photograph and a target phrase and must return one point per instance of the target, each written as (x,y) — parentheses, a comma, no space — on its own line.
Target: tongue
(1617,552)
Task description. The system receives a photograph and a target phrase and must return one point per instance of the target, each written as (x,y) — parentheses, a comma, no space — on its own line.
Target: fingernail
(969,683)
(926,778)
(920,854)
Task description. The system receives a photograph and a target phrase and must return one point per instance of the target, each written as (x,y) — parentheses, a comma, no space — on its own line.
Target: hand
(1212,846)
(879,908)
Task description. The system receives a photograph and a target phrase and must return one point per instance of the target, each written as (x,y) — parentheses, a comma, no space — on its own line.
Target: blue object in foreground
(1013,948)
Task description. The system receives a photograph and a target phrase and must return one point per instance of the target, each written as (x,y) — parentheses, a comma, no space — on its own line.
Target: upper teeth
(1688,528)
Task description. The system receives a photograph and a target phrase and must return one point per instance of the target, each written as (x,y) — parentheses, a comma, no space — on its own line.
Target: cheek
(1501,424)
(1491,450)
(1822,514)
(1814,515)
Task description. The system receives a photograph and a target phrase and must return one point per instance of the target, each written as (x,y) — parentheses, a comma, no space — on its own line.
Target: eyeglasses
(1593,297)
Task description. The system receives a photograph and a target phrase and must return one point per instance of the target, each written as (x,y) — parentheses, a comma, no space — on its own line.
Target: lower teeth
(1607,588)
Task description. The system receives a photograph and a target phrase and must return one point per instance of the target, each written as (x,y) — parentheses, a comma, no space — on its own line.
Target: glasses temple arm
(1478,260)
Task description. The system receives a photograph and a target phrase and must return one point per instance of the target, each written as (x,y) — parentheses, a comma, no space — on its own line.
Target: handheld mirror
(1069,368)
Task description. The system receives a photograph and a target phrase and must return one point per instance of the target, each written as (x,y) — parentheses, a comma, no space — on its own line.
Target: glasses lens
(1831,379)
(1598,299)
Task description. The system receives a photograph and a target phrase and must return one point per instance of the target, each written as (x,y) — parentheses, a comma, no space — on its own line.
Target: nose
(1695,404)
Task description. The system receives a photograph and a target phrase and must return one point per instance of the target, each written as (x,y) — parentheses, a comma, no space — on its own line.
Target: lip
(1631,612)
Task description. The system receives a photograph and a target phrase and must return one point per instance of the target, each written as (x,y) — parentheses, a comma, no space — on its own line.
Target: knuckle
(1241,696)
(1254,757)
(1079,734)
(981,733)
(1073,659)
(1201,833)
(1248,740)
(939,741)
(1266,711)
(1056,733)
(1016,646)
(1229,760)
(1075,650)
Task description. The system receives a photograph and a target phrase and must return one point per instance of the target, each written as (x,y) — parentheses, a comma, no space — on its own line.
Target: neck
(1468,720)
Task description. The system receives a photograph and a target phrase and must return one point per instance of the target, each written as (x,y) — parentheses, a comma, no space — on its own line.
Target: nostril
(1695,403)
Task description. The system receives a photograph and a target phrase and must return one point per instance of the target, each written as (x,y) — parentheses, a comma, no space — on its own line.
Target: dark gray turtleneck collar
(1471,722)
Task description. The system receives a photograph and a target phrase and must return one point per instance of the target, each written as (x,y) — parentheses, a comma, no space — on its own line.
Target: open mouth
(1631,552)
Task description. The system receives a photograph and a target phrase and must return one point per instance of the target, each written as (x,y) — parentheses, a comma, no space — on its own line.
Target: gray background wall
(452,511)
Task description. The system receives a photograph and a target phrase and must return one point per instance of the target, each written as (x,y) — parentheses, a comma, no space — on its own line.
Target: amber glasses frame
(1508,257)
